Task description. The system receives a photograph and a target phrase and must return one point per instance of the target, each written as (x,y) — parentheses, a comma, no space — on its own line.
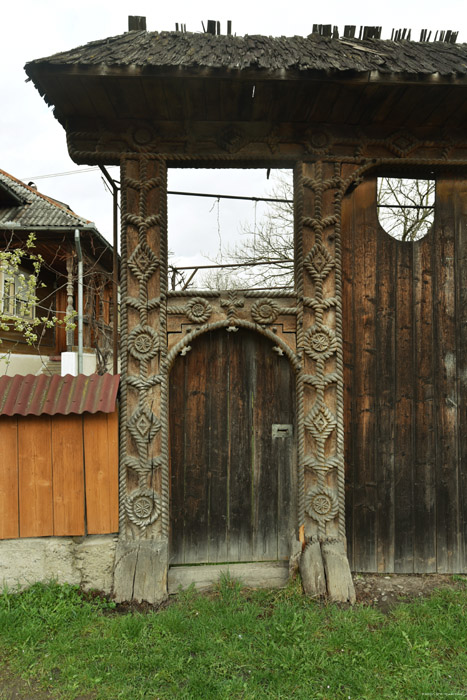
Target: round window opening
(406,207)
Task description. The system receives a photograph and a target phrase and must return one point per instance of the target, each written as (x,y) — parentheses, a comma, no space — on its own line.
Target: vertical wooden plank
(268,453)
(364,378)
(447,503)
(404,380)
(217,379)
(35,476)
(348,234)
(424,416)
(176,437)
(460,253)
(68,475)
(242,393)
(9,513)
(385,382)
(194,459)
(101,472)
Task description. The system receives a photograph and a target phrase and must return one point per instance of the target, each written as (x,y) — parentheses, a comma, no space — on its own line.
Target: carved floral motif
(143,507)
(320,422)
(143,343)
(322,504)
(318,262)
(198,310)
(265,311)
(320,342)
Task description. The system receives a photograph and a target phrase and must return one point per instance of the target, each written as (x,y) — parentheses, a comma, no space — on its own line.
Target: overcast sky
(32,143)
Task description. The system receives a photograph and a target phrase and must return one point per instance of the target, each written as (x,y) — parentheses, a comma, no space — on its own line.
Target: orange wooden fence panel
(58,475)
(68,475)
(35,476)
(101,459)
(9,515)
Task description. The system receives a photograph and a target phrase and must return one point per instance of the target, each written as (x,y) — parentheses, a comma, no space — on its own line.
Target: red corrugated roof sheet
(30,395)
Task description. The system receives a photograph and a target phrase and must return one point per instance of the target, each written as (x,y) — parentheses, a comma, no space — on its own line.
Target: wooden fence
(405,357)
(58,475)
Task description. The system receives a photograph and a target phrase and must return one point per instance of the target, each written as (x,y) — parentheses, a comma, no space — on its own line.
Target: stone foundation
(82,561)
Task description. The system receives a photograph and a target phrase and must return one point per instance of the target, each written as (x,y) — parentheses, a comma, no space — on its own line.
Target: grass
(236,644)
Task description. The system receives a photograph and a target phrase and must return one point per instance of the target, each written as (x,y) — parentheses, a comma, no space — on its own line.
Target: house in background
(24,210)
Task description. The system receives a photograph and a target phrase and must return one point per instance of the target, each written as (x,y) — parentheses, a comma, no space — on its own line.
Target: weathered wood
(252,575)
(364,281)
(9,513)
(35,476)
(312,570)
(101,469)
(424,501)
(140,571)
(339,582)
(68,475)
(447,468)
(231,483)
(385,408)
(403,401)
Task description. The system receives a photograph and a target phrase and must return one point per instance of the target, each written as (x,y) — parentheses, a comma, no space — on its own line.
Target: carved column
(324,565)
(142,553)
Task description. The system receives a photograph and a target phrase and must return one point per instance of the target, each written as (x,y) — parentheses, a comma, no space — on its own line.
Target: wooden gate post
(141,561)
(324,565)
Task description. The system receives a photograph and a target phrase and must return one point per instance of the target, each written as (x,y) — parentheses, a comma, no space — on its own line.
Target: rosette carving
(198,310)
(265,311)
(143,343)
(322,504)
(143,507)
(320,342)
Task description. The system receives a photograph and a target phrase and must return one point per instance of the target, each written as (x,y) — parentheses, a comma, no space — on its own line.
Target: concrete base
(325,570)
(141,571)
(83,561)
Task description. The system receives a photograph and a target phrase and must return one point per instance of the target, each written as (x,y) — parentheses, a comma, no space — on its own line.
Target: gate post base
(325,570)
(140,571)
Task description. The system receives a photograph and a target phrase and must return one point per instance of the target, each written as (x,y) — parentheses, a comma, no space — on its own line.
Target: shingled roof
(26,207)
(156,50)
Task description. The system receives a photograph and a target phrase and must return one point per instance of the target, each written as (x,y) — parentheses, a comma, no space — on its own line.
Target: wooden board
(35,476)
(231,482)
(68,475)
(101,472)
(9,512)
(252,575)
(405,387)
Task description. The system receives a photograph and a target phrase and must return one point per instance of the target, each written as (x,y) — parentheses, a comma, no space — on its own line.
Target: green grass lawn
(236,644)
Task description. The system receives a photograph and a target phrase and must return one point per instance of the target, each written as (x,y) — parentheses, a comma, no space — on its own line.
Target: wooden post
(141,557)
(318,195)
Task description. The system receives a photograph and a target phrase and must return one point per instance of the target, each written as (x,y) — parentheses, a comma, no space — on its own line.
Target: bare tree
(406,207)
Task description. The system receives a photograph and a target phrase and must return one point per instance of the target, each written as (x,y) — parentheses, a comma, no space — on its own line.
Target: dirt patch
(384,591)
(13,687)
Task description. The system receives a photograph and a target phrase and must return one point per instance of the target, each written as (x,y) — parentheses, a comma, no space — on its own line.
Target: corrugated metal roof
(35,209)
(51,395)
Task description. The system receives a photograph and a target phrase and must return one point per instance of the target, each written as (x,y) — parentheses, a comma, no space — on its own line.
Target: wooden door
(232,405)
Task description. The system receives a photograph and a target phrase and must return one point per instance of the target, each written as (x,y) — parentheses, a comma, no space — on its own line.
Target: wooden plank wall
(58,475)
(405,352)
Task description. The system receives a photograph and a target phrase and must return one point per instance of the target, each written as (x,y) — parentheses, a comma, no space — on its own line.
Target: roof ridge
(60,205)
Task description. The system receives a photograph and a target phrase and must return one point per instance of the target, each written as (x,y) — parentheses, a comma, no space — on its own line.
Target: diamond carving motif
(320,422)
(143,425)
(143,262)
(318,262)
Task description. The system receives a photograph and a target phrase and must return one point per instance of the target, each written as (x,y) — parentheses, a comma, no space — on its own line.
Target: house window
(16,294)
(406,207)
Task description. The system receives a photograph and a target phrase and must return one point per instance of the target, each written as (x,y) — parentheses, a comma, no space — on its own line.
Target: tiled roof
(312,53)
(31,207)
(51,395)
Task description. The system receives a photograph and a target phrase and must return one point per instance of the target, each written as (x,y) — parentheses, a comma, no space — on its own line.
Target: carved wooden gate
(232,404)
